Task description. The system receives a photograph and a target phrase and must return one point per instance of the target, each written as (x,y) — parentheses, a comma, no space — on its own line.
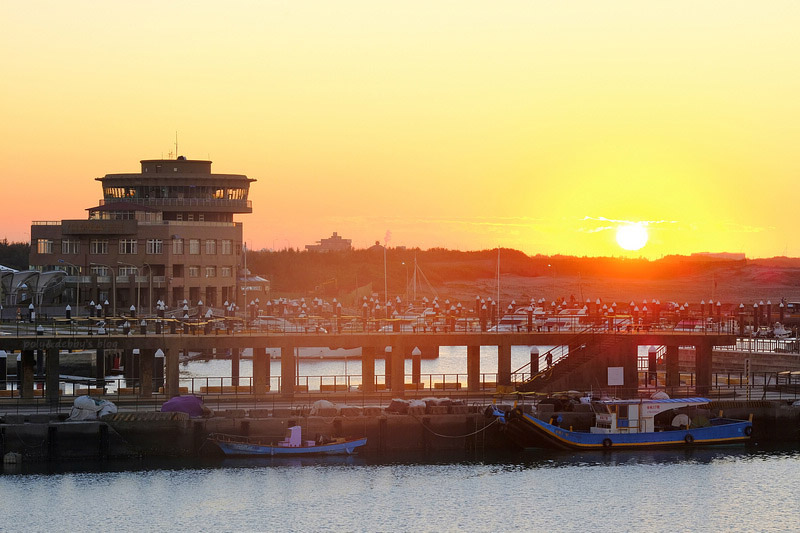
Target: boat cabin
(638,416)
(294,439)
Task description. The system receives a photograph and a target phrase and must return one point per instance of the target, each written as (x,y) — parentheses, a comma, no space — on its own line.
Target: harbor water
(724,489)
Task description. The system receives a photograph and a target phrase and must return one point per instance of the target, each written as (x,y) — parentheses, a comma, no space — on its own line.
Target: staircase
(590,346)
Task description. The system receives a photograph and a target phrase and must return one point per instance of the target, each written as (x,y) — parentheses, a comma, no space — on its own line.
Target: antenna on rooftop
(176,143)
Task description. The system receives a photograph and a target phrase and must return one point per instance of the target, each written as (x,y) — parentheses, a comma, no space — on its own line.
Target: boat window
(622,411)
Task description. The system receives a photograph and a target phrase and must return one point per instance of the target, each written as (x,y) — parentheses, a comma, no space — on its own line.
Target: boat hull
(530,432)
(245,449)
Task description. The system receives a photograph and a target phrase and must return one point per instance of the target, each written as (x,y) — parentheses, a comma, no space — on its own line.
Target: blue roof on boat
(666,400)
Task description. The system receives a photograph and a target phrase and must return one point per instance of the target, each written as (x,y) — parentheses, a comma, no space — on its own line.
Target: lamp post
(78,286)
(138,284)
(113,287)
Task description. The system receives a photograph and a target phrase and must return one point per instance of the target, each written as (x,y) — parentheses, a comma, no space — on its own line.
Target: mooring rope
(484,428)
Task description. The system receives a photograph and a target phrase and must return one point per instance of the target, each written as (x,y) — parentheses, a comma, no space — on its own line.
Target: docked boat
(644,423)
(292,445)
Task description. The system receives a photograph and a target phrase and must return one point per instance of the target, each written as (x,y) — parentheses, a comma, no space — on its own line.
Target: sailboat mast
(499,309)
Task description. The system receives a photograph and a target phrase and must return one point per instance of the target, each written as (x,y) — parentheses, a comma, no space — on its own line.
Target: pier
(590,354)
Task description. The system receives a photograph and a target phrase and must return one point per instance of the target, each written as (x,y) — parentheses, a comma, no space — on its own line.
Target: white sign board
(616,376)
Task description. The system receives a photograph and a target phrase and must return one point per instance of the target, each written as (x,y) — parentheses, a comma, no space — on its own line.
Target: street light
(113,287)
(78,286)
(138,285)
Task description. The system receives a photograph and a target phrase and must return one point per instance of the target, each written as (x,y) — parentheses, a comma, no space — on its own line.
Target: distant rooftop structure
(334,243)
(720,256)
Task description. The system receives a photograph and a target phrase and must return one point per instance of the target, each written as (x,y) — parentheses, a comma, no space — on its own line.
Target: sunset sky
(535,125)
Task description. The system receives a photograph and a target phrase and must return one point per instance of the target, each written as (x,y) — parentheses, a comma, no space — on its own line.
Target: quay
(34,425)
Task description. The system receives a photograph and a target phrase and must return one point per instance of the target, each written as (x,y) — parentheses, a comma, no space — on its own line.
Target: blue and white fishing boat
(292,445)
(644,423)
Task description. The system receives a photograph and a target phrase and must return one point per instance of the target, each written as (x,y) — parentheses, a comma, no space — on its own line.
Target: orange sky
(532,125)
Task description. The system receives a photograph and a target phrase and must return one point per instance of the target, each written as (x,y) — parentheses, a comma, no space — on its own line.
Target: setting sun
(632,236)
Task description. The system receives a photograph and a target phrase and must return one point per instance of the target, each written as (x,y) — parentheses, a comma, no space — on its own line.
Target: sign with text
(616,376)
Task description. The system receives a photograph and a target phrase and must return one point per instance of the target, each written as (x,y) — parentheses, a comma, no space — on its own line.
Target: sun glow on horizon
(632,236)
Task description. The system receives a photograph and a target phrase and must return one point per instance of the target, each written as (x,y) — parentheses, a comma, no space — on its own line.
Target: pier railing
(725,386)
(198,324)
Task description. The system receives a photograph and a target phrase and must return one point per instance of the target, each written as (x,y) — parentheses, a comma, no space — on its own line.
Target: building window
(190,217)
(225,272)
(98,247)
(154,246)
(70,246)
(44,246)
(227,246)
(179,217)
(194,246)
(211,247)
(128,246)
(98,270)
(201,217)
(194,271)
(177,246)
(211,272)
(127,271)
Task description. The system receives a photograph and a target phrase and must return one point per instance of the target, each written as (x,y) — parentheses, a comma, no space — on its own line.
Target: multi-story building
(166,233)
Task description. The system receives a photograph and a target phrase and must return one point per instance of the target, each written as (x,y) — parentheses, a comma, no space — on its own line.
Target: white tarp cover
(318,406)
(88,408)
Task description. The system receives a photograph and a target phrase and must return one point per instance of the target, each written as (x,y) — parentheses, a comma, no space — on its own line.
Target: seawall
(433,430)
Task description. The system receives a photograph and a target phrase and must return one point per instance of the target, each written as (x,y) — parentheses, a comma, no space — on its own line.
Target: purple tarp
(191,405)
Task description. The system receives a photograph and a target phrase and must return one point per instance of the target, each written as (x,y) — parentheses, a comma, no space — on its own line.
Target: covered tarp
(191,405)
(88,408)
(323,408)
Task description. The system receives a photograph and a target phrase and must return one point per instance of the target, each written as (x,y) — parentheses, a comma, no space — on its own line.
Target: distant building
(165,233)
(334,243)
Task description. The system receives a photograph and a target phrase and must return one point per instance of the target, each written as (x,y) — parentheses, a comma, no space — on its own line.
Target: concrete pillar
(416,366)
(51,376)
(630,363)
(474,368)
(534,361)
(130,369)
(288,371)
(397,364)
(158,370)
(703,357)
(387,366)
(100,365)
(27,363)
(673,368)
(368,368)
(652,366)
(504,365)
(3,370)
(172,362)
(260,371)
(235,358)
(146,363)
